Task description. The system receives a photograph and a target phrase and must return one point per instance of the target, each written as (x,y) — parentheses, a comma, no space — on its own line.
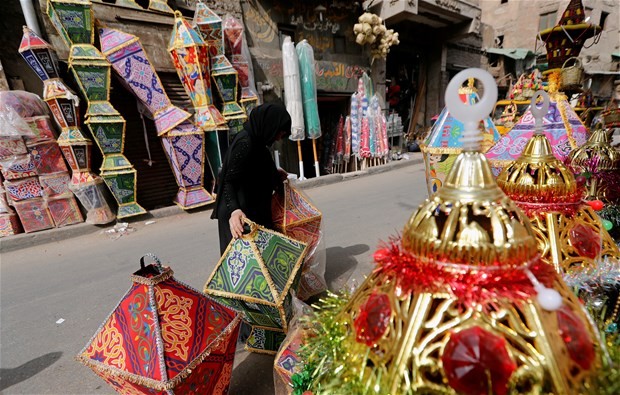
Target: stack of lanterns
(64,106)
(461,304)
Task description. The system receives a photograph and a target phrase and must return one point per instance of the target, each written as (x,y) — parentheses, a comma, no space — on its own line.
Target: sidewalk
(27,240)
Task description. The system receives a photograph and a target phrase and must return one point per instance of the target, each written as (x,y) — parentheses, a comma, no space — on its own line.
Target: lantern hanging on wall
(182,141)
(224,75)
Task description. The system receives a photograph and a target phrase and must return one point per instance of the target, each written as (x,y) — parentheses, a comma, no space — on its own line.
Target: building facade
(514,25)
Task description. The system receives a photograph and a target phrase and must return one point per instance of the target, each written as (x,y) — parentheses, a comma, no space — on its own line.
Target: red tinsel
(564,208)
(468,284)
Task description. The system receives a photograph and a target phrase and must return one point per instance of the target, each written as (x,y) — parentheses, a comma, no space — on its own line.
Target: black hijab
(265,122)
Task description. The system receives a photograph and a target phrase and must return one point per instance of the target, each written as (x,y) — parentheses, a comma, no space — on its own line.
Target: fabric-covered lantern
(222,71)
(561,125)
(443,143)
(180,137)
(164,337)
(39,55)
(256,274)
(296,217)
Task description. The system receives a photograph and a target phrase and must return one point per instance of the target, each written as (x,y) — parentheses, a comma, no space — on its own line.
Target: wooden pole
(301,161)
(316,160)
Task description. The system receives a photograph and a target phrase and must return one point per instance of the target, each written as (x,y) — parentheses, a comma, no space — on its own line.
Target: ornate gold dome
(596,152)
(537,176)
(470,220)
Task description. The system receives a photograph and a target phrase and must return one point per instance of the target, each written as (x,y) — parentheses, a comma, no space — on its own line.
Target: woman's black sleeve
(239,157)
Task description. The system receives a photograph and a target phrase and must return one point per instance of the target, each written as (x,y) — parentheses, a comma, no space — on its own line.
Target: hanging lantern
(460,305)
(190,55)
(255,275)
(222,71)
(164,337)
(73,20)
(566,39)
(234,42)
(182,141)
(39,55)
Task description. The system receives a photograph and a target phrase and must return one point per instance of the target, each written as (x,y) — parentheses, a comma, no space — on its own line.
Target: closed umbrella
(305,53)
(292,96)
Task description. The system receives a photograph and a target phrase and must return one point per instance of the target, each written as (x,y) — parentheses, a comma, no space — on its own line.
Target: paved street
(80,280)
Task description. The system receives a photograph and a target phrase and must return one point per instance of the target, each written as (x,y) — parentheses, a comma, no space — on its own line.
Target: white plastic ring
(468,113)
(539,112)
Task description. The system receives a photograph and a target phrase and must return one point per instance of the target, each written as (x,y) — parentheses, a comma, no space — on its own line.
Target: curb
(26,240)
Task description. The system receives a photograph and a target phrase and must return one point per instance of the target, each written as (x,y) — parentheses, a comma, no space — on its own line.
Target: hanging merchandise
(190,55)
(355,125)
(183,143)
(234,43)
(442,145)
(164,337)
(63,103)
(292,96)
(364,130)
(347,141)
(296,217)
(570,235)
(74,22)
(339,146)
(561,125)
(160,6)
(307,74)
(222,71)
(566,39)
(256,275)
(371,30)
(461,304)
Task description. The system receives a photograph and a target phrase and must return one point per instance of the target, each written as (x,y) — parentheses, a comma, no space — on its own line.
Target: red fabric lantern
(164,337)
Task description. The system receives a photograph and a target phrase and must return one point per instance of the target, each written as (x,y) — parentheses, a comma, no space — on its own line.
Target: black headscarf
(265,122)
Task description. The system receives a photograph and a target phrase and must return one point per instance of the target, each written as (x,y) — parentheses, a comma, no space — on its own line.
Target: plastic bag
(24,103)
(287,361)
(13,125)
(92,197)
(292,89)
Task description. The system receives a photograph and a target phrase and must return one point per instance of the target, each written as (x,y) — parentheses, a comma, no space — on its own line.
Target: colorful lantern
(460,304)
(598,158)
(255,275)
(183,142)
(234,44)
(561,125)
(164,337)
(74,21)
(566,39)
(190,55)
(39,55)
(222,71)
(296,217)
(443,143)
(161,6)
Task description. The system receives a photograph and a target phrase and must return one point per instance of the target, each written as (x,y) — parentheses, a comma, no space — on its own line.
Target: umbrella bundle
(292,96)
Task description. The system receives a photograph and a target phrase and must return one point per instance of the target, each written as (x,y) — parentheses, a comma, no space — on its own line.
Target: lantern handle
(539,112)
(156,262)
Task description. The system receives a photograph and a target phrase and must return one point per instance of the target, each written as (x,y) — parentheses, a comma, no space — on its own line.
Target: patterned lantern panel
(92,72)
(39,55)
(127,56)
(34,214)
(73,19)
(296,217)
(184,147)
(164,337)
(122,184)
(287,361)
(62,103)
(161,6)
(9,224)
(264,340)
(109,133)
(443,143)
(64,210)
(255,275)
(190,55)
(210,25)
(561,125)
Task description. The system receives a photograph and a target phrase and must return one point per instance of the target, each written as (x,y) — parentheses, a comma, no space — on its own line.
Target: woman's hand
(283,174)
(236,223)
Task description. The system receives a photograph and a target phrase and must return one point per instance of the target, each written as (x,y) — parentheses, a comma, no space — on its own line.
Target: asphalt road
(53,297)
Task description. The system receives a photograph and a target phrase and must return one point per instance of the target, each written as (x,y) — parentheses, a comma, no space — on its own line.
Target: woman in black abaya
(249,176)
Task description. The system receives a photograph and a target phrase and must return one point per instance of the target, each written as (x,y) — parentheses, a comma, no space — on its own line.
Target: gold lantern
(462,305)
